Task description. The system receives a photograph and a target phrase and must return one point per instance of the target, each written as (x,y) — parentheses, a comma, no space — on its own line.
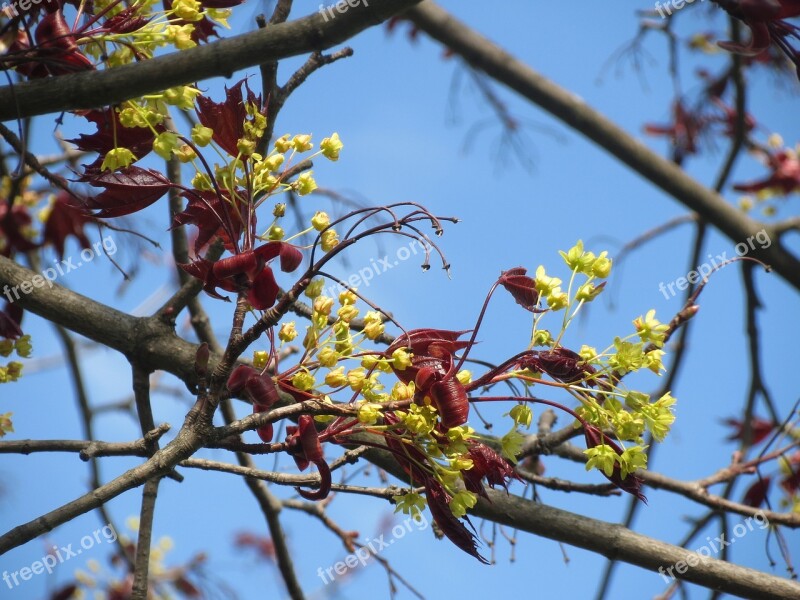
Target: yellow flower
(347,313)
(202,135)
(314,288)
(302,143)
(5,424)
(305,184)
(320,220)
(260,359)
(355,379)
(287,332)
(323,305)
(303,380)
(602,266)
(328,357)
(274,161)
(329,240)
(347,297)
(117,158)
(401,359)
(336,377)
(368,413)
(402,391)
(282,144)
(331,146)
(164,143)
(188,10)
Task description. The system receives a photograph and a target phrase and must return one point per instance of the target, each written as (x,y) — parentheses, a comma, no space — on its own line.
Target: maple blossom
(784,178)
(766,20)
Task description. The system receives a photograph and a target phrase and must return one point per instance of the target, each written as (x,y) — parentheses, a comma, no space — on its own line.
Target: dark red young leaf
(791,483)
(309,439)
(227,118)
(486,463)
(765,20)
(126,191)
(756,494)
(291,257)
(563,364)
(263,546)
(12,223)
(785,175)
(456,532)
(631,484)
(759,429)
(56,47)
(65,220)
(432,350)
(10,319)
(684,132)
(186,587)
(245,263)
(265,432)
(450,398)
(65,593)
(111,134)
(246,271)
(127,20)
(261,390)
(303,444)
(201,269)
(239,378)
(203,30)
(206,211)
(521,287)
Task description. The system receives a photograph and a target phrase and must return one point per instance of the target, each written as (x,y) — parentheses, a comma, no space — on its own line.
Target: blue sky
(405,127)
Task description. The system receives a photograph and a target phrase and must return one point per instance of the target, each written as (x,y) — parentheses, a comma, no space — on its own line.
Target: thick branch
(222,58)
(486,56)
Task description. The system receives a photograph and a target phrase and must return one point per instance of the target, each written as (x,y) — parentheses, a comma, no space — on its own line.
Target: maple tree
(334,379)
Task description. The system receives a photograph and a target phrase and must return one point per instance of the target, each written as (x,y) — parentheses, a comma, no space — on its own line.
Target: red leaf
(264,290)
(291,258)
(760,429)
(239,378)
(111,134)
(127,191)
(205,211)
(227,118)
(262,545)
(631,484)
(126,21)
(438,502)
(12,223)
(65,220)
(10,319)
(521,287)
(56,47)
(757,493)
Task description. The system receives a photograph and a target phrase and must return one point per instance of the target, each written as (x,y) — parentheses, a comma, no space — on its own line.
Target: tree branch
(486,56)
(222,58)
